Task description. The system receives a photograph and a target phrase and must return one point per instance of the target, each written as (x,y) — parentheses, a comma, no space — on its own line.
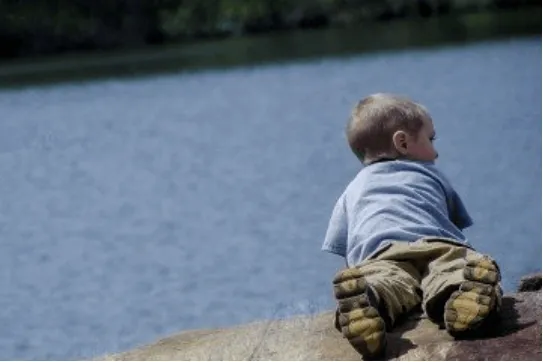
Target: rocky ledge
(516,336)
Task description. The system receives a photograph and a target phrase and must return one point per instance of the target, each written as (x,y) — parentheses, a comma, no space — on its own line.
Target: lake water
(135,208)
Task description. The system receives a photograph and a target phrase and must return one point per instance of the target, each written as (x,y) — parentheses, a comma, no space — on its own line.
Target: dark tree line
(29,27)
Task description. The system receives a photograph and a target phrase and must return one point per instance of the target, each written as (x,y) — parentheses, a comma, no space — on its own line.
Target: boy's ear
(399,140)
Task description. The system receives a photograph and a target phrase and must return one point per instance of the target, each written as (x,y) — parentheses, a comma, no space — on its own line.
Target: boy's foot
(358,317)
(477,298)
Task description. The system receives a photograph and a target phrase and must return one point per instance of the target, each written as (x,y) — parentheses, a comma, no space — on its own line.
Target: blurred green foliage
(30,27)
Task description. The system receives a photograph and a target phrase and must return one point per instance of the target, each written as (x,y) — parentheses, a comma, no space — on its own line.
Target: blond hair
(376,118)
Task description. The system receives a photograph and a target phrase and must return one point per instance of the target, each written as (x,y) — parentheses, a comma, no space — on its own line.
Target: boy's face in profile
(420,147)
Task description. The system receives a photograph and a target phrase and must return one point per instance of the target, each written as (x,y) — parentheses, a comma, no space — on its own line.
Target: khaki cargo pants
(426,271)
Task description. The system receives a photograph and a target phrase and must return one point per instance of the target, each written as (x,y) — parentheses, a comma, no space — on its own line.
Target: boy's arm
(335,240)
(458,213)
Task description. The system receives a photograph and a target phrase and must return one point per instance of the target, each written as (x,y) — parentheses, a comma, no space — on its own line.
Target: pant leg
(397,284)
(444,274)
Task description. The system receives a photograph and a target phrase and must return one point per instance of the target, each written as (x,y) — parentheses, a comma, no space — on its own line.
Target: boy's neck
(390,158)
(391,155)
(379,160)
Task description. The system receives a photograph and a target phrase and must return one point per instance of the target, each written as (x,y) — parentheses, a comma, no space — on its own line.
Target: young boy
(398,224)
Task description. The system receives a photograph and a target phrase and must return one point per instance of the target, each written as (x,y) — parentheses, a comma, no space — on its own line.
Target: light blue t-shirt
(394,200)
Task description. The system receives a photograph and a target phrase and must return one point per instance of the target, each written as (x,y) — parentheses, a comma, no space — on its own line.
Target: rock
(516,336)
(530,283)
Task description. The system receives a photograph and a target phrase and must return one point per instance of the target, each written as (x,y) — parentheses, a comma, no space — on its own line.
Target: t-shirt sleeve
(458,213)
(335,240)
